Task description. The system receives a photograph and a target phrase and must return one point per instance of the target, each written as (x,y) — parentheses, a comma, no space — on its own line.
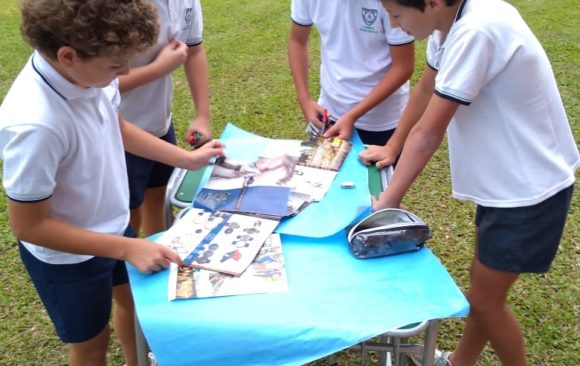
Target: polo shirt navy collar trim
(62,87)
(44,77)
(453,98)
(460,10)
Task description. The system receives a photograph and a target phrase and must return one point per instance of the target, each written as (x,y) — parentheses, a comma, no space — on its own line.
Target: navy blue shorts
(522,239)
(145,173)
(379,138)
(77,297)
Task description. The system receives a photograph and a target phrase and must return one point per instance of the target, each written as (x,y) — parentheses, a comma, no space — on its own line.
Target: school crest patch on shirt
(369,16)
(188,16)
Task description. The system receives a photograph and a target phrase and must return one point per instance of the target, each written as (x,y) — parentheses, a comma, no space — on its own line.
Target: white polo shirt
(63,142)
(355,36)
(510,142)
(149,106)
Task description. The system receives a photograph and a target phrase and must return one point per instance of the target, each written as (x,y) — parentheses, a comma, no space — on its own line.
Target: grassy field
(251,87)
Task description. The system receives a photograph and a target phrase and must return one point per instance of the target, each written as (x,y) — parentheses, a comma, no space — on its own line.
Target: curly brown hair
(93,28)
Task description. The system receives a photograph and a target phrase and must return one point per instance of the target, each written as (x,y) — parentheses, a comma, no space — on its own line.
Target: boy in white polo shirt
(64,171)
(511,150)
(365,67)
(147,101)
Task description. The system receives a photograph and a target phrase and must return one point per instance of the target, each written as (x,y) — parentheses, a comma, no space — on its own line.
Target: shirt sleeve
(465,65)
(31,155)
(194,21)
(300,12)
(395,35)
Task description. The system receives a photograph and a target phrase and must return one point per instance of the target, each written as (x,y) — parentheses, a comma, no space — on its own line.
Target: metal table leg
(430,343)
(141,344)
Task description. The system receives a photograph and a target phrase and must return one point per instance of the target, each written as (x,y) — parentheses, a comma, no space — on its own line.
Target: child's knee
(92,351)
(483,303)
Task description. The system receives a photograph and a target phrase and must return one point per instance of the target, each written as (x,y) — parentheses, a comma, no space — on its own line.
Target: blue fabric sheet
(352,203)
(334,301)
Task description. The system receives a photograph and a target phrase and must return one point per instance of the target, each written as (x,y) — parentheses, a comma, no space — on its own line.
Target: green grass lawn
(251,86)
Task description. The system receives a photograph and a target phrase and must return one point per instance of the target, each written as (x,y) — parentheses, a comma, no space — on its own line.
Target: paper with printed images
(326,154)
(267,273)
(279,173)
(255,187)
(217,241)
(317,163)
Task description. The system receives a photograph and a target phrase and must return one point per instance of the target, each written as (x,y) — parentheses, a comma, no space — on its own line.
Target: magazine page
(264,186)
(312,182)
(317,163)
(324,153)
(252,187)
(218,241)
(297,202)
(266,274)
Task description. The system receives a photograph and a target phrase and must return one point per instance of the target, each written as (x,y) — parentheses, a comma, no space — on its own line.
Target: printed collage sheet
(265,274)
(218,241)
(226,239)
(287,176)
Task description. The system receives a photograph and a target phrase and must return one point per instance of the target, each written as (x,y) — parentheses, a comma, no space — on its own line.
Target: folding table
(334,302)
(296,250)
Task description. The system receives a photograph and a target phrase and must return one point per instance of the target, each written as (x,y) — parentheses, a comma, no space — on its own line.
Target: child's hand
(171,56)
(199,127)
(150,257)
(341,129)
(382,155)
(202,155)
(312,111)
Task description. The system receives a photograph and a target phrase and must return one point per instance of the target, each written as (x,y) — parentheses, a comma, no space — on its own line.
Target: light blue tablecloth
(334,301)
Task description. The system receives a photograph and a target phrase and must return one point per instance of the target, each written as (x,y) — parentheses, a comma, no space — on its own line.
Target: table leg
(430,343)
(141,344)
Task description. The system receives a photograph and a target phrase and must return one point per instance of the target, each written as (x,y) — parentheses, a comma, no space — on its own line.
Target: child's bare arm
(420,96)
(298,58)
(423,141)
(197,78)
(142,143)
(403,61)
(31,222)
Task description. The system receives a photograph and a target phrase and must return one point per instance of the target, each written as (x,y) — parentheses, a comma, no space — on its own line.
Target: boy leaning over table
(491,87)
(62,143)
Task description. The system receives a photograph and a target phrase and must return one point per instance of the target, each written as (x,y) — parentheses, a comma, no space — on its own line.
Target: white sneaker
(151,358)
(442,358)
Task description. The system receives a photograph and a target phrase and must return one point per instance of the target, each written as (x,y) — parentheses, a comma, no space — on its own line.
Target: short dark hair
(420,4)
(91,27)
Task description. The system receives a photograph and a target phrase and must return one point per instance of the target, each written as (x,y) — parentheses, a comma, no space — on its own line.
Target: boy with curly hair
(489,85)
(64,169)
